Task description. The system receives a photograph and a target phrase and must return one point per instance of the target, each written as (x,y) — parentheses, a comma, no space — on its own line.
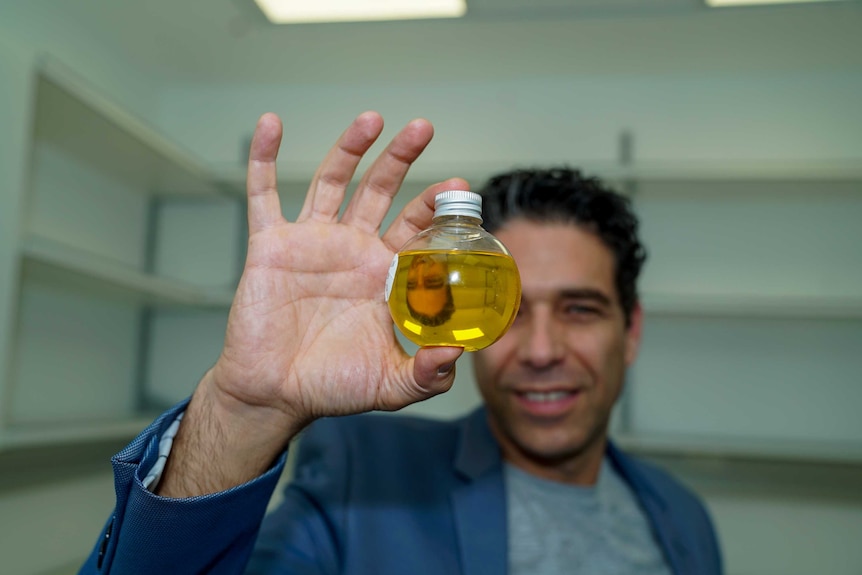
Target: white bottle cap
(458,203)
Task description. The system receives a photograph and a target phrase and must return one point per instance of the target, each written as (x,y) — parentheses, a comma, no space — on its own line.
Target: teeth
(546,395)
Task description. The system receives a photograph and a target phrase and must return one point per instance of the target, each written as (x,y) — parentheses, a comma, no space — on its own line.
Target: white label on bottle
(390,276)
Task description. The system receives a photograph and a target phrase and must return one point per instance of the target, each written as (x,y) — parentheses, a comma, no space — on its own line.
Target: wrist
(222,443)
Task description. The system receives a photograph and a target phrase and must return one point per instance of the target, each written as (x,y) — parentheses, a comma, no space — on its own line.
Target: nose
(541,343)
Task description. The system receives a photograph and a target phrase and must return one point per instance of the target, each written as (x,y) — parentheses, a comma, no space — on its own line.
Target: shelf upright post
(143,401)
(625,153)
(17,114)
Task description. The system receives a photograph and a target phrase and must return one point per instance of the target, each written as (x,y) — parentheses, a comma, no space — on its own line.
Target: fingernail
(445,370)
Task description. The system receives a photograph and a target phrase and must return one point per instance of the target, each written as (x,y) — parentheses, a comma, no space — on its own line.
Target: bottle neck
(457,218)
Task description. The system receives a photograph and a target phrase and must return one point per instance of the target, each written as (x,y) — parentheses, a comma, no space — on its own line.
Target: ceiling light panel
(297,11)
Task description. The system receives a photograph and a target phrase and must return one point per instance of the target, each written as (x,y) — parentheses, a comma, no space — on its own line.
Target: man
(527,484)
(429,294)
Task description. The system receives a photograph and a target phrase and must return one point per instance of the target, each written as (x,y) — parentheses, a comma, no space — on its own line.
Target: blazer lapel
(480,521)
(666,531)
(479,503)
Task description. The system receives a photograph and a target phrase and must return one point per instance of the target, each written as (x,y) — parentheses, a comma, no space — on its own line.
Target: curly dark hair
(562,194)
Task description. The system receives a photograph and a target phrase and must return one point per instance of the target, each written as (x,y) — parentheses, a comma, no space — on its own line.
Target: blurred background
(737,131)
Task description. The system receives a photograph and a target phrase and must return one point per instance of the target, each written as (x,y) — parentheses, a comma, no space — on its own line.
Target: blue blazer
(372,494)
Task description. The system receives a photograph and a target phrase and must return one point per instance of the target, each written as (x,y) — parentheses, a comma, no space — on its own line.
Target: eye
(579,310)
(435,282)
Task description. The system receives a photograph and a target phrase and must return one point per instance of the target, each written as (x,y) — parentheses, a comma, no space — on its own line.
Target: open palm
(309,332)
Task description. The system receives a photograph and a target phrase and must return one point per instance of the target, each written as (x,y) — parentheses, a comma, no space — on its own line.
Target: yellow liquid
(454,298)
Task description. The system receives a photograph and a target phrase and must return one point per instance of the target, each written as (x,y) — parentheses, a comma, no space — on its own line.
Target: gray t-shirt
(556,528)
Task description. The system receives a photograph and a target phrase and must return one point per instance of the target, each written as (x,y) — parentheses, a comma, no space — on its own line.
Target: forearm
(222,443)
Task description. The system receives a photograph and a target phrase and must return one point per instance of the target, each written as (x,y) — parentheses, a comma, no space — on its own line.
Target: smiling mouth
(547,404)
(546,396)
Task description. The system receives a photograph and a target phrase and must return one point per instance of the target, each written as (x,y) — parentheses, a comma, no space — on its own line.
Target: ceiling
(229,41)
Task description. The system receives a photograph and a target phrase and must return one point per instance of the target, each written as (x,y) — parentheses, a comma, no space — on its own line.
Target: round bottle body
(454,285)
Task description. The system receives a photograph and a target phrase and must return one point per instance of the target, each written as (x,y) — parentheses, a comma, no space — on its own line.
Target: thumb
(434,368)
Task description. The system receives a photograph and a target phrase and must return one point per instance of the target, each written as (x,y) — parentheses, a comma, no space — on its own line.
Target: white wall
(729,109)
(713,85)
(35,30)
(496,124)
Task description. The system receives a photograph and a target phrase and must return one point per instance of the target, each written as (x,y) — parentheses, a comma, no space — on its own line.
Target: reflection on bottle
(429,294)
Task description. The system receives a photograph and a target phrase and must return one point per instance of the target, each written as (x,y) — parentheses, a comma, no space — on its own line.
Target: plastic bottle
(454,284)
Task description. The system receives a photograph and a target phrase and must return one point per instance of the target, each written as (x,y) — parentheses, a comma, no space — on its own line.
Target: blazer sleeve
(147,534)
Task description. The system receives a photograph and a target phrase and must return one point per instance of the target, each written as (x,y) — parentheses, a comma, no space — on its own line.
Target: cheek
(612,359)
(489,363)
(602,352)
(482,366)
(483,376)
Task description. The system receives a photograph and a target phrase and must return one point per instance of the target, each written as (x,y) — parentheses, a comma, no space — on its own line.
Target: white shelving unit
(93,130)
(751,306)
(90,287)
(818,453)
(110,299)
(62,263)
(753,315)
(688,391)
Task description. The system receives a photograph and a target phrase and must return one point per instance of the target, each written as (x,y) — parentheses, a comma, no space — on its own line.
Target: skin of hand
(309,333)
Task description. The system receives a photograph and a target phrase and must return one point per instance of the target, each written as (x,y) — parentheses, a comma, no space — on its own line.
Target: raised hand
(309,333)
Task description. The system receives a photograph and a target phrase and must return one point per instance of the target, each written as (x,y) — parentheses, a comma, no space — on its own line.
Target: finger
(417,215)
(434,368)
(383,179)
(334,174)
(264,208)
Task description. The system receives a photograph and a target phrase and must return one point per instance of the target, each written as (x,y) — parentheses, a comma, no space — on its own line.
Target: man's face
(550,382)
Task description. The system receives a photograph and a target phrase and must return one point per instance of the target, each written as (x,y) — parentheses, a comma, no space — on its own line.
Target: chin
(553,449)
(558,445)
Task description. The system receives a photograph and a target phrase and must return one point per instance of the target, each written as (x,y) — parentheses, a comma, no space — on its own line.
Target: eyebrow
(587,294)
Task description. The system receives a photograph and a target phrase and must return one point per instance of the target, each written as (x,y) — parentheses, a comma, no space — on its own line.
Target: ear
(633,334)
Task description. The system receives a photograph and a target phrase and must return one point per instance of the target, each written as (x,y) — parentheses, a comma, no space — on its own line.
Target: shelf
(67,433)
(754,306)
(54,261)
(846,169)
(740,449)
(26,465)
(76,119)
(770,470)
